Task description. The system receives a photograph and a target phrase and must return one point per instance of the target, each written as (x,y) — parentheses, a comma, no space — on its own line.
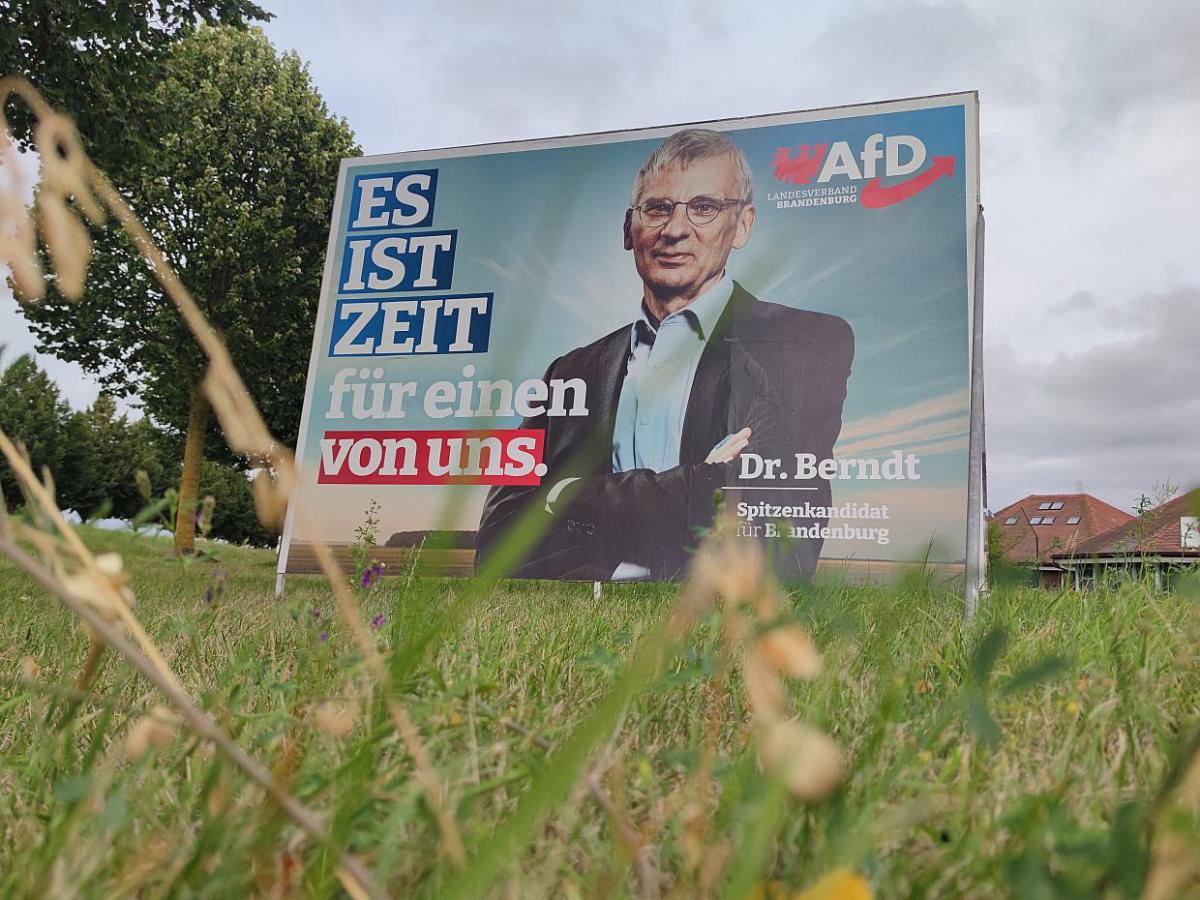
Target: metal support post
(976,561)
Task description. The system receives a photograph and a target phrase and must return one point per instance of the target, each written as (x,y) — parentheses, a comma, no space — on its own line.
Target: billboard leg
(976,562)
(595,590)
(280,582)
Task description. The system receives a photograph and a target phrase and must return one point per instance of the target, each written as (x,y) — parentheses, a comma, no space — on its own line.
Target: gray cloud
(1116,416)
(1090,120)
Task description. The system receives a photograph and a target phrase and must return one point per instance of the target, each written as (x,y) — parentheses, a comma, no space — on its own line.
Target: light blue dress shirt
(658,382)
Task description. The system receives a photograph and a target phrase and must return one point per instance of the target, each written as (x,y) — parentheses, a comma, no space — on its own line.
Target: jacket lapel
(704,423)
(609,377)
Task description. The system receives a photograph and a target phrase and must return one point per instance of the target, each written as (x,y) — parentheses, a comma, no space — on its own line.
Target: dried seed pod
(86,587)
(763,688)
(64,164)
(143,484)
(729,565)
(68,242)
(269,501)
(243,427)
(29,668)
(789,649)
(18,248)
(111,565)
(807,760)
(336,718)
(204,521)
(155,730)
(741,568)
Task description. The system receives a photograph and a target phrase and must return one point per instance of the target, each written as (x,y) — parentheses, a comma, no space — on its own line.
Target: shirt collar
(707,308)
(704,312)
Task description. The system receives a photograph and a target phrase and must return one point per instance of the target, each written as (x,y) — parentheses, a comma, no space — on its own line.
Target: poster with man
(594,342)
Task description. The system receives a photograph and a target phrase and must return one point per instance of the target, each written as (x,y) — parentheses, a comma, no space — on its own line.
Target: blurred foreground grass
(1019,756)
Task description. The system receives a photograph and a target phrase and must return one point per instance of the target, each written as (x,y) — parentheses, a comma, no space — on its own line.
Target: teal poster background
(539,228)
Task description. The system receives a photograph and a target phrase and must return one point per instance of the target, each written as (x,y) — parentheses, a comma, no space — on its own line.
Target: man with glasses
(705,372)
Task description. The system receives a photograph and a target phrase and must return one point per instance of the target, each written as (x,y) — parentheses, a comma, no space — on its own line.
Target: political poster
(594,342)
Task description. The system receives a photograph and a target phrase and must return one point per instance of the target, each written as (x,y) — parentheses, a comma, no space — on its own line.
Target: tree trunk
(189,482)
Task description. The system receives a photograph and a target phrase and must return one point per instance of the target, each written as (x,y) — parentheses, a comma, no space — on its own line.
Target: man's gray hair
(691,145)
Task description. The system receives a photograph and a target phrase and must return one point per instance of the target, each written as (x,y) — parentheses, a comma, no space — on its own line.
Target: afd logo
(891,156)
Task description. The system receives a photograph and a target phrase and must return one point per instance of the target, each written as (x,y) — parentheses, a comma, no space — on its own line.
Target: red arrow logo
(875,196)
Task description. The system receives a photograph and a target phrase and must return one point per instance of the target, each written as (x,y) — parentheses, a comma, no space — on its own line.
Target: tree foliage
(95,455)
(96,60)
(234,517)
(238,193)
(33,413)
(109,450)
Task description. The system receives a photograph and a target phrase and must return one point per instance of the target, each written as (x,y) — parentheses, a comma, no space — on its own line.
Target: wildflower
(840,884)
(371,574)
(316,613)
(208,595)
(378,621)
(1072,707)
(323,636)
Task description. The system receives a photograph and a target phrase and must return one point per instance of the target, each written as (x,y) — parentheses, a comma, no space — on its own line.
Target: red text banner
(508,456)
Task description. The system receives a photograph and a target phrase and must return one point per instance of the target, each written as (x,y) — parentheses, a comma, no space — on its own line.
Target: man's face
(680,259)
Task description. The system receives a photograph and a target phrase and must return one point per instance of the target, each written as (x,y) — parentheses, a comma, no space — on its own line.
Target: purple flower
(323,636)
(365,580)
(208,595)
(316,613)
(378,621)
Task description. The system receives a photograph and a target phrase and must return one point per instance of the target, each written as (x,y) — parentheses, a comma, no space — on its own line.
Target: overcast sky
(1090,120)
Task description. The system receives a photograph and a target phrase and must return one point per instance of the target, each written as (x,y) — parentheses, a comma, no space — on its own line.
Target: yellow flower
(840,884)
(1072,707)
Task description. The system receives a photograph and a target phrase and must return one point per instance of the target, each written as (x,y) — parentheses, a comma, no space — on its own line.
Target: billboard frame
(975,568)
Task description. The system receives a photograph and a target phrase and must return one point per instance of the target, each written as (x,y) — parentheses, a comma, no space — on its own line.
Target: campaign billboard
(605,336)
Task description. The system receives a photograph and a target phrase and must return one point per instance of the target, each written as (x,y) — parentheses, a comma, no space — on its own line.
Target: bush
(234,516)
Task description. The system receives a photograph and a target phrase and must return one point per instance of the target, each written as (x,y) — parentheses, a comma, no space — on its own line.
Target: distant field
(961,782)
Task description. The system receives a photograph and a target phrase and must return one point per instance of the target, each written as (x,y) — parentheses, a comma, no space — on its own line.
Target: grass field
(1025,755)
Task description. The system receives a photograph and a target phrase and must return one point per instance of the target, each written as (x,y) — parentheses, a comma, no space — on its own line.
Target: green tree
(106,452)
(234,517)
(33,413)
(97,61)
(238,193)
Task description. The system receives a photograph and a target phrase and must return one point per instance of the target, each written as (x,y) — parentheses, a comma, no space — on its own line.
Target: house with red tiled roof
(1035,528)
(1162,542)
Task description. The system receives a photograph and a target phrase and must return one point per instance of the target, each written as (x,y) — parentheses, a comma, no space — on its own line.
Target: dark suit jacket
(781,371)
